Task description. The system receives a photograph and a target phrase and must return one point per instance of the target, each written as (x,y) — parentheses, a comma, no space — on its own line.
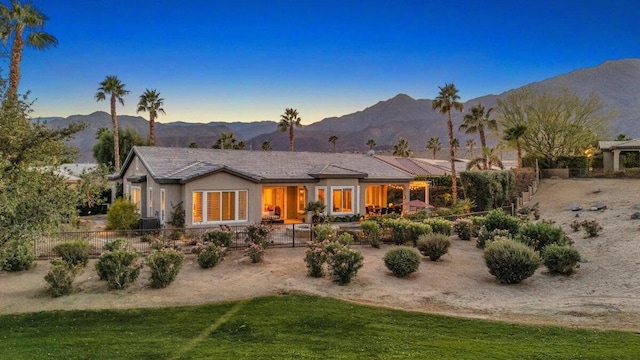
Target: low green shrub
(220,238)
(73,252)
(323,232)
(440,226)
(478,223)
(259,234)
(315,257)
(117,244)
(510,261)
(541,234)
(60,278)
(413,231)
(560,259)
(402,261)
(434,246)
(209,255)
(372,231)
(165,266)
(119,267)
(485,236)
(122,215)
(463,228)
(344,263)
(255,252)
(498,219)
(345,238)
(17,254)
(398,230)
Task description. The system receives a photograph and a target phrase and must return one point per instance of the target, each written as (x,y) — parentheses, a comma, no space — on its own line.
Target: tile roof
(627,144)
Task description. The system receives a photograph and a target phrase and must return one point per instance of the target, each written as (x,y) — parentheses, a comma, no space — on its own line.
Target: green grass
(293,326)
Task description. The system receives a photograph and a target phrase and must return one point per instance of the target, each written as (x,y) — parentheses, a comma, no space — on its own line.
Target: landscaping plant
(440,226)
(510,261)
(119,267)
(122,215)
(541,234)
(73,252)
(485,236)
(463,228)
(209,255)
(344,263)
(402,261)
(165,266)
(17,254)
(372,231)
(315,257)
(560,259)
(255,252)
(498,219)
(434,245)
(591,228)
(220,238)
(60,277)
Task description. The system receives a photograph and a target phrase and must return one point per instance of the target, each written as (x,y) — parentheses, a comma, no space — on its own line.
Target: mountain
(617,83)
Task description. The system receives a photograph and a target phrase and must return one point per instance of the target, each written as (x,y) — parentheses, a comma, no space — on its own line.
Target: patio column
(616,160)
(406,195)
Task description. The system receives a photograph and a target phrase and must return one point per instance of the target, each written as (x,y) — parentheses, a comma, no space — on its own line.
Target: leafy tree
(20,25)
(288,121)
(332,140)
(558,122)
(103,148)
(434,145)
(151,101)
(513,136)
(266,145)
(92,185)
(112,86)
(471,143)
(228,141)
(477,121)
(446,101)
(371,144)
(622,137)
(402,148)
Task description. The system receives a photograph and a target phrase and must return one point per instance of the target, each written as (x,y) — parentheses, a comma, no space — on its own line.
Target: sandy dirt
(604,292)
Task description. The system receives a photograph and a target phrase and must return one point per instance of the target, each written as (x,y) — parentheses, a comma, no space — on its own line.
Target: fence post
(293,234)
(513,211)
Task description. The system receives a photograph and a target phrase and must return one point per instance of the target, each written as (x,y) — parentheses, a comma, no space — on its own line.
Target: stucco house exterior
(237,187)
(611,151)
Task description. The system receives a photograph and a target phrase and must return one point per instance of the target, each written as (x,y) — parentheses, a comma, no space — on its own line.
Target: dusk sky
(249,60)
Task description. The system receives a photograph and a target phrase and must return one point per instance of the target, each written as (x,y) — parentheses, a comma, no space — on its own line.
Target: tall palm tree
(401,148)
(446,101)
(477,121)
(513,136)
(288,121)
(112,86)
(371,144)
(229,142)
(266,145)
(434,145)
(151,101)
(471,143)
(455,144)
(332,140)
(22,24)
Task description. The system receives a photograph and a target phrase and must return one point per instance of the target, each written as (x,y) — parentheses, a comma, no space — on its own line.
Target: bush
(478,223)
(209,255)
(346,238)
(463,228)
(440,226)
(73,252)
(60,278)
(372,231)
(117,244)
(17,254)
(402,261)
(434,245)
(497,219)
(413,230)
(255,252)
(510,261)
(165,266)
(591,227)
(259,234)
(315,256)
(220,238)
(119,268)
(538,235)
(323,232)
(560,259)
(398,230)
(344,263)
(122,215)
(575,225)
(485,236)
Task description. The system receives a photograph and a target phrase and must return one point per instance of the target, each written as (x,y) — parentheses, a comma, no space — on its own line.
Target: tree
(228,141)
(371,144)
(288,121)
(332,140)
(455,144)
(112,86)
(446,101)
(22,24)
(471,143)
(622,137)
(193,145)
(266,145)
(103,148)
(401,148)
(558,122)
(477,121)
(488,159)
(513,136)
(434,145)
(151,101)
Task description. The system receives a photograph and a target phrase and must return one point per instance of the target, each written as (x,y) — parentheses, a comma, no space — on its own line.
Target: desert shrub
(510,261)
(417,216)
(119,267)
(117,244)
(60,277)
(540,234)
(315,257)
(156,244)
(575,225)
(372,231)
(220,238)
(478,223)
(323,232)
(434,245)
(498,219)
(413,231)
(398,230)
(463,228)
(165,266)
(591,228)
(17,254)
(255,252)
(402,261)
(485,236)
(209,255)
(440,226)
(176,234)
(122,215)
(73,252)
(345,238)
(344,264)
(560,259)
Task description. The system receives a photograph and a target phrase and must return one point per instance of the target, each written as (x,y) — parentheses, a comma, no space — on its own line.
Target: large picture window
(136,197)
(219,206)
(342,200)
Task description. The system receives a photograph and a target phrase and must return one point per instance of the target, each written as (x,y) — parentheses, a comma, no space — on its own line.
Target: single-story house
(611,151)
(243,187)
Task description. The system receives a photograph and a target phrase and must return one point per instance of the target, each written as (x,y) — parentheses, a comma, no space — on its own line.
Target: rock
(635,215)
(575,207)
(636,207)
(598,206)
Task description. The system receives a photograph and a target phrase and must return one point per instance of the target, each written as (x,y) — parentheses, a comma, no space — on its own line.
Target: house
(611,151)
(71,172)
(242,187)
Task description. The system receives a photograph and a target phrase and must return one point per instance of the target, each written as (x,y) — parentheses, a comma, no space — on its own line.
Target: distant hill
(617,83)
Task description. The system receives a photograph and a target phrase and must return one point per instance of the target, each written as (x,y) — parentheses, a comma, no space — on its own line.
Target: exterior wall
(607,160)
(136,169)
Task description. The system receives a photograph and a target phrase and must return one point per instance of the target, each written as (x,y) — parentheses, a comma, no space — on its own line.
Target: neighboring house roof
(423,167)
(613,145)
(180,165)
(72,172)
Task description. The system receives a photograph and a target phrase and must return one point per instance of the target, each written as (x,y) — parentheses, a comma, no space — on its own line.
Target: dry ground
(603,293)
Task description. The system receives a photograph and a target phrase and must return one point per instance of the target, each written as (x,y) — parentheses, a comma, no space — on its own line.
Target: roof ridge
(186,167)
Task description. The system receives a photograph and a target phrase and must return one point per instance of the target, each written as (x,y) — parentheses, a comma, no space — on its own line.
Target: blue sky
(249,60)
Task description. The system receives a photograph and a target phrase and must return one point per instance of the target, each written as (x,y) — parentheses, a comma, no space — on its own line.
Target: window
(302,198)
(136,194)
(342,200)
(219,206)
(163,206)
(150,203)
(321,194)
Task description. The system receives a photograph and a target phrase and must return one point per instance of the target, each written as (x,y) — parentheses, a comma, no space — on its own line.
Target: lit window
(342,200)
(136,194)
(150,202)
(219,206)
(163,205)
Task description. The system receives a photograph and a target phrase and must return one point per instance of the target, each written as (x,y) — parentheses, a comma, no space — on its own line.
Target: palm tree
(477,121)
(471,143)
(332,140)
(229,142)
(401,148)
(447,100)
(455,144)
(266,145)
(151,101)
(371,144)
(288,120)
(434,145)
(486,161)
(111,85)
(513,136)
(22,25)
